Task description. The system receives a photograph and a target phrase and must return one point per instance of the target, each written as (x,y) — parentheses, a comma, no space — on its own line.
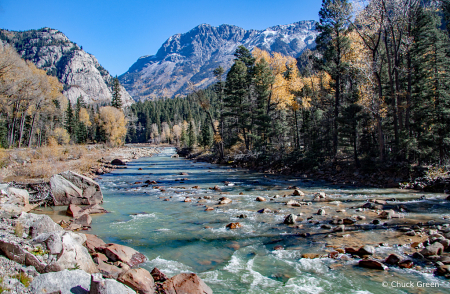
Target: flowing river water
(179,236)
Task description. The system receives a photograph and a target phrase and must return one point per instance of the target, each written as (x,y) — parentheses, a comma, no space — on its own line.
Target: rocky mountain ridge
(79,71)
(192,56)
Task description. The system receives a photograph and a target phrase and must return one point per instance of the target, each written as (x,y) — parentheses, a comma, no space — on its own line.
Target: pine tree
(263,80)
(69,122)
(332,42)
(431,100)
(116,96)
(206,137)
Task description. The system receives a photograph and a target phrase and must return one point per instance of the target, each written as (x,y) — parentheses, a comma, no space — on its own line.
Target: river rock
(109,270)
(72,188)
(73,253)
(234,226)
(38,224)
(366,250)
(433,249)
(290,219)
(139,280)
(320,195)
(264,210)
(349,221)
(158,276)
(260,199)
(118,162)
(85,220)
(406,263)
(392,259)
(388,214)
(186,284)
(225,200)
(373,264)
(76,211)
(128,255)
(298,193)
(17,197)
(321,211)
(107,286)
(64,282)
(293,203)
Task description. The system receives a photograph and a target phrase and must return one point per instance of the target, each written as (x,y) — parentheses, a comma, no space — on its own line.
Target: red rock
(406,264)
(108,270)
(158,276)
(128,255)
(97,257)
(186,284)
(370,263)
(94,243)
(260,199)
(76,211)
(187,199)
(209,208)
(139,280)
(234,226)
(85,220)
(392,259)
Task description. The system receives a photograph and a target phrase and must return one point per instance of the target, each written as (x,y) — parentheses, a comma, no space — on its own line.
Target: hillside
(79,71)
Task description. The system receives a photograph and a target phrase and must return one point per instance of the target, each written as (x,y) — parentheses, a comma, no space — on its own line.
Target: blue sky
(119,32)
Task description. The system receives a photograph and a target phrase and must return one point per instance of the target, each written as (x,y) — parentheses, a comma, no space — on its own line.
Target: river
(179,236)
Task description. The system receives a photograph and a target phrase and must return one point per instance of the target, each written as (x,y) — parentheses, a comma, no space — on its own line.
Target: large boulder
(67,250)
(72,188)
(15,200)
(128,255)
(433,249)
(64,282)
(38,224)
(94,243)
(186,284)
(139,280)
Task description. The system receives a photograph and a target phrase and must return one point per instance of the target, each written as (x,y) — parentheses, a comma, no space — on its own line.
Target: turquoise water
(179,236)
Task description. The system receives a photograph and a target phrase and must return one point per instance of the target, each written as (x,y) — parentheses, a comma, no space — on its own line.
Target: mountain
(192,57)
(77,70)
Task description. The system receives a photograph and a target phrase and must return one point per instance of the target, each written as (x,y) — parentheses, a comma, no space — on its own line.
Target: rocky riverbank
(38,255)
(386,176)
(45,257)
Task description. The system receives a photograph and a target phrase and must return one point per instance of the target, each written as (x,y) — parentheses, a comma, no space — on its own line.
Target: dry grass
(27,165)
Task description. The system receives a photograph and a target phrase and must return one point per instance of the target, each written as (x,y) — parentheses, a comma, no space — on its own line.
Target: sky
(117,33)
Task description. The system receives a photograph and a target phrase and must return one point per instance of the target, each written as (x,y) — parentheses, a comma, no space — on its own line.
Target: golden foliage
(113,123)
(287,79)
(61,136)
(84,117)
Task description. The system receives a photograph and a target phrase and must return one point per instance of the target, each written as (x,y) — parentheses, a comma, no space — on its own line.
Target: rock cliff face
(78,70)
(194,55)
